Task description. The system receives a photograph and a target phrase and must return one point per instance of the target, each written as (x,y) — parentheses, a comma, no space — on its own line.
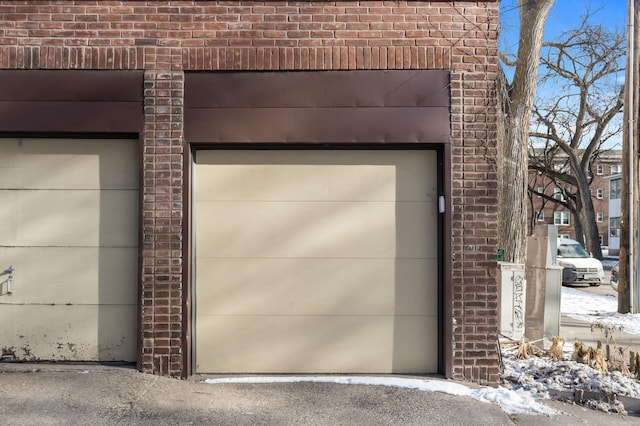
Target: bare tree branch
(569,130)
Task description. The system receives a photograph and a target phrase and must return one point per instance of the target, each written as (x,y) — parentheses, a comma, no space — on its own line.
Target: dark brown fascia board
(71,101)
(71,85)
(318,89)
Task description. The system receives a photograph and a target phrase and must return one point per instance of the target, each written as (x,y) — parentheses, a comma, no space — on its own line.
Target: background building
(545,211)
(615,212)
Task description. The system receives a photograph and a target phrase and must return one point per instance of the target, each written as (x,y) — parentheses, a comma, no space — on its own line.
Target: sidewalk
(108,395)
(571,329)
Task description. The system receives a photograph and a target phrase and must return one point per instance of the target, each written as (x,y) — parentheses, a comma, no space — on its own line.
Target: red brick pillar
(162,213)
(474,234)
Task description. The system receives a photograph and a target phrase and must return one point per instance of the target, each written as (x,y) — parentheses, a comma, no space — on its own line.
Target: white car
(578,266)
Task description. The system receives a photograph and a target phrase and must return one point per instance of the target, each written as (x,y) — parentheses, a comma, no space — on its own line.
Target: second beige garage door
(316,262)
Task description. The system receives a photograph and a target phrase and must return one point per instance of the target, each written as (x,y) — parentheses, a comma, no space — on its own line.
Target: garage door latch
(8,271)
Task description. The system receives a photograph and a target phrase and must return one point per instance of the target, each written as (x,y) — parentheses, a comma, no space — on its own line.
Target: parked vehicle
(578,266)
(614,277)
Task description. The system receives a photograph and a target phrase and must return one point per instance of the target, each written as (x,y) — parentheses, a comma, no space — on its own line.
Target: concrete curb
(579,396)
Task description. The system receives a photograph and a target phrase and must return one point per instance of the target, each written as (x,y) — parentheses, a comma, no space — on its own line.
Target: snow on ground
(511,401)
(540,374)
(592,308)
(522,381)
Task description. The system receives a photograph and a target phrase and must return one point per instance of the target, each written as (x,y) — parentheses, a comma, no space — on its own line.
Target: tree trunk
(534,213)
(578,227)
(589,226)
(586,212)
(512,217)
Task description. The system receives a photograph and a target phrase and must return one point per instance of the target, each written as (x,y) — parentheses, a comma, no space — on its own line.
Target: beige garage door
(68,226)
(316,261)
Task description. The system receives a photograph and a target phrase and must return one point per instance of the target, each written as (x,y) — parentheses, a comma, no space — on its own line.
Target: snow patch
(592,308)
(511,401)
(538,375)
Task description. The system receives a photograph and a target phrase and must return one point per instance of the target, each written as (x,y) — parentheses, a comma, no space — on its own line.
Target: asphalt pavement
(91,394)
(96,394)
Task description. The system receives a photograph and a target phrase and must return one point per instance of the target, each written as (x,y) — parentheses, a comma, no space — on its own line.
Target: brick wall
(600,205)
(165,38)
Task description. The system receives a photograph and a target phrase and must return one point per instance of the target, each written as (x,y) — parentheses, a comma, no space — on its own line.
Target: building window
(561,218)
(600,169)
(564,236)
(541,190)
(600,194)
(541,216)
(600,217)
(616,168)
(614,227)
(557,194)
(615,189)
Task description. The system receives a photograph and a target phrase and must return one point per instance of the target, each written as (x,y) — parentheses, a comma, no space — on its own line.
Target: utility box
(544,278)
(552,299)
(512,297)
